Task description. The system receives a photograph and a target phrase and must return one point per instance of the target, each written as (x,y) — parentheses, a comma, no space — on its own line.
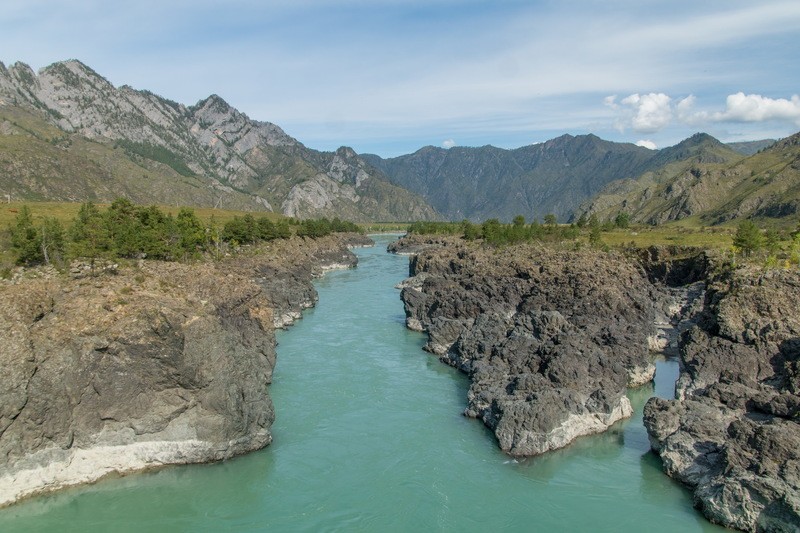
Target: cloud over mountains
(652,112)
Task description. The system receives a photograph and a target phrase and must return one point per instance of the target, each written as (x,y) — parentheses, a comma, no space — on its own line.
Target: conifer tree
(748,238)
(25,239)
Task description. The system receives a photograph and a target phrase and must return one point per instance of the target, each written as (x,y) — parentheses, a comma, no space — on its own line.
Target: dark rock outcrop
(550,339)
(163,363)
(732,434)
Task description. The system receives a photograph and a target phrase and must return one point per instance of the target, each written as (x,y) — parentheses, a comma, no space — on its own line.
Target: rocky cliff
(732,434)
(161,363)
(550,339)
(117,141)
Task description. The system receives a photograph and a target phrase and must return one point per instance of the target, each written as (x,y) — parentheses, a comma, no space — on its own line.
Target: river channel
(369,436)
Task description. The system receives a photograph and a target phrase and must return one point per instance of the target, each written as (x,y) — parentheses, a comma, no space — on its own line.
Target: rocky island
(154,364)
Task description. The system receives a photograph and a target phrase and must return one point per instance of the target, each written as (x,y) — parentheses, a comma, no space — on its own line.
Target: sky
(390,76)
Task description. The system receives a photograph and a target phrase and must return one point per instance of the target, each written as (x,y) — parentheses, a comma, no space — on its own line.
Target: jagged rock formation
(710,182)
(732,434)
(550,339)
(163,363)
(124,142)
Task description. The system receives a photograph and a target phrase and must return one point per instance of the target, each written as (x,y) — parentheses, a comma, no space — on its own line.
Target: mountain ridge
(713,184)
(235,161)
(534,180)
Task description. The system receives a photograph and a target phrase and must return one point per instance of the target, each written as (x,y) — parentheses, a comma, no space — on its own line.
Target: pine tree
(25,239)
(89,234)
(748,238)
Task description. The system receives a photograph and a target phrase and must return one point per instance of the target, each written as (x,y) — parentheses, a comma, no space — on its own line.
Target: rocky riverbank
(154,364)
(732,434)
(549,338)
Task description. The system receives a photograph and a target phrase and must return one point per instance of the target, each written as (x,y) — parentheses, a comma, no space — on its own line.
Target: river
(369,436)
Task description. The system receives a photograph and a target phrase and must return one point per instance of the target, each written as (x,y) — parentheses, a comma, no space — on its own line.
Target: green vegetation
(769,247)
(34,245)
(157,153)
(748,238)
(494,232)
(125,230)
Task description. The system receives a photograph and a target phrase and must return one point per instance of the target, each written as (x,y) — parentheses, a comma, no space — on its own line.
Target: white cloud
(647,113)
(742,107)
(449,143)
(653,112)
(611,101)
(647,144)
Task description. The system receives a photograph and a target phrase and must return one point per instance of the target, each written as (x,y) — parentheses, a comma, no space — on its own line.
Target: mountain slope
(480,183)
(713,185)
(210,150)
(751,147)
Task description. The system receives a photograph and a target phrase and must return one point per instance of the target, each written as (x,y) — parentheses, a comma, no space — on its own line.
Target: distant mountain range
(556,176)
(66,133)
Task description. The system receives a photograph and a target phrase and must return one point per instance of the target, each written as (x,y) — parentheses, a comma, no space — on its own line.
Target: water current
(369,436)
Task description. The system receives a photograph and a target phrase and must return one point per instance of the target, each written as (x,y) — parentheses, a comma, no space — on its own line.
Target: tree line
(495,232)
(126,230)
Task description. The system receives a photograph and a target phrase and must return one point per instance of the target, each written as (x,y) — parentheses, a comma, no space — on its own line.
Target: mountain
(563,176)
(751,147)
(713,184)
(67,133)
(487,182)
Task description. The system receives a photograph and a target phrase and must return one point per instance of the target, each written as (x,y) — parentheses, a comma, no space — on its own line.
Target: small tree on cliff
(748,238)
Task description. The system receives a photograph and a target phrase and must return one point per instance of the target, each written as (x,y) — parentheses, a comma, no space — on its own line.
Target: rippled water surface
(370,437)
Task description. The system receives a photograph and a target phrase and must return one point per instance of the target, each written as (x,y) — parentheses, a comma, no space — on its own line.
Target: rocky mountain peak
(213,103)
(74,72)
(346,152)
(698,139)
(223,157)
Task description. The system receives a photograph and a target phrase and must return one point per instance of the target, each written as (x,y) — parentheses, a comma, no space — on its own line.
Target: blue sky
(390,76)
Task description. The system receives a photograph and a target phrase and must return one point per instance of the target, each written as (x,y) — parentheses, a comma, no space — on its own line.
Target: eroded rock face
(732,435)
(550,339)
(164,363)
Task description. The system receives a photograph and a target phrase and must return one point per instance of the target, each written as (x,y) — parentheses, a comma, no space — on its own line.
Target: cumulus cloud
(651,112)
(449,143)
(647,144)
(742,107)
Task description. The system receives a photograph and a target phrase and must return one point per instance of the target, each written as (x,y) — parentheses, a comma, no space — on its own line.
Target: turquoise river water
(369,437)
